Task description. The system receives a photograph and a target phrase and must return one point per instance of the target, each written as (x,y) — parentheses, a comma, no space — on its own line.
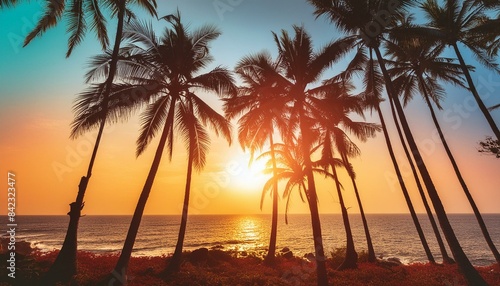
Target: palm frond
(152,120)
(53,12)
(98,23)
(77,25)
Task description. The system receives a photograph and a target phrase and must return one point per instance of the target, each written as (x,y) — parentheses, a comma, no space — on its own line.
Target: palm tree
(373,82)
(329,162)
(64,267)
(290,169)
(193,115)
(333,108)
(173,63)
(417,65)
(457,22)
(358,18)
(259,102)
(299,68)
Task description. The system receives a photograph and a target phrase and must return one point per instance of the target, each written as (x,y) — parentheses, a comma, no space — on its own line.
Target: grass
(230,268)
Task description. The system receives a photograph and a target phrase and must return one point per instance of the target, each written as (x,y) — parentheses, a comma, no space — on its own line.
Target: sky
(38,86)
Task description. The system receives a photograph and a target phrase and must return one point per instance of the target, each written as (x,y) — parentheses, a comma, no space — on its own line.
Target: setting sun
(249,177)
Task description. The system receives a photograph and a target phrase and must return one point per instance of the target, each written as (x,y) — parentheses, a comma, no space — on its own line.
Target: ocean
(393,235)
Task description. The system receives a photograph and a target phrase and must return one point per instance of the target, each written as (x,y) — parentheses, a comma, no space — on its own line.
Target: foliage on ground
(231,268)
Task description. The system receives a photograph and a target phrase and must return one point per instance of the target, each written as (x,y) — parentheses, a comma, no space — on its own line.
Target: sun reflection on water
(249,234)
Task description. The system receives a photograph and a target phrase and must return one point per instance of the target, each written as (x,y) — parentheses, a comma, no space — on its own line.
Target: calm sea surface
(393,235)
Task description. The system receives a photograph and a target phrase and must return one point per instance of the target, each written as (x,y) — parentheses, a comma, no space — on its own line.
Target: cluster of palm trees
(286,107)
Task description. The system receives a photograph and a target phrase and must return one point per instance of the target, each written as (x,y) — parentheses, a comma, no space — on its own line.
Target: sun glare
(249,177)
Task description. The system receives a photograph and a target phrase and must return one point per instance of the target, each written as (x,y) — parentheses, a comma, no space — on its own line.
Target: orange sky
(48,166)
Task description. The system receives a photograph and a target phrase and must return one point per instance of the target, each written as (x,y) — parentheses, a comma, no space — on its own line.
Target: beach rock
(288,255)
(310,256)
(22,247)
(199,256)
(390,262)
(217,247)
(395,260)
(285,249)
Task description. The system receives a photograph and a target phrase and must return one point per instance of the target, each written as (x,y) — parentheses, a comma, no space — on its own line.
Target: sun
(248,178)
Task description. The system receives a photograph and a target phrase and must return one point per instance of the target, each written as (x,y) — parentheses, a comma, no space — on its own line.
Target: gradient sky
(38,86)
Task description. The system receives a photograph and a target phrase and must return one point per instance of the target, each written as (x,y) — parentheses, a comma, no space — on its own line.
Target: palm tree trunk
(473,89)
(312,200)
(477,213)
(65,265)
(312,197)
(119,274)
(470,273)
(446,258)
(371,251)
(274,220)
(351,257)
(175,261)
(406,195)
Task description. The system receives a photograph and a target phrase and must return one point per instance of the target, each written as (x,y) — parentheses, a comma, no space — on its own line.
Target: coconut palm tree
(173,63)
(300,67)
(64,267)
(370,20)
(332,109)
(373,84)
(418,67)
(289,169)
(458,22)
(193,114)
(260,101)
(330,163)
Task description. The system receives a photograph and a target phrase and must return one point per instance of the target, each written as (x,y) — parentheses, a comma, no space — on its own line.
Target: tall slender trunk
(442,248)
(477,213)
(474,92)
(312,200)
(371,251)
(351,257)
(406,195)
(119,274)
(274,220)
(65,265)
(175,261)
(470,273)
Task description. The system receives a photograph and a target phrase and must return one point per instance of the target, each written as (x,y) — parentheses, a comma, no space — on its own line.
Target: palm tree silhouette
(299,68)
(373,83)
(360,18)
(261,102)
(332,108)
(459,22)
(193,114)
(289,169)
(172,64)
(418,66)
(64,267)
